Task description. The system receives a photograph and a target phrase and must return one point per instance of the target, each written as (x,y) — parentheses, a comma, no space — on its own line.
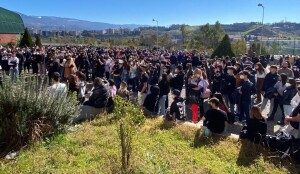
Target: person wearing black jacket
(99,96)
(53,66)
(85,66)
(256,126)
(177,81)
(151,101)
(164,87)
(177,107)
(269,82)
(228,86)
(21,61)
(287,97)
(246,90)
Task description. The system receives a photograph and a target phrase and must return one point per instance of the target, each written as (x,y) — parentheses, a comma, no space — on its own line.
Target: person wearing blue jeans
(246,89)
(164,87)
(13,63)
(14,74)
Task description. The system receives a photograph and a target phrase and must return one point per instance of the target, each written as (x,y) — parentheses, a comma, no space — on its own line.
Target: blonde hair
(197,71)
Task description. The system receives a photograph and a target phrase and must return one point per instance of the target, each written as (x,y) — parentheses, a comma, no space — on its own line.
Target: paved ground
(232,129)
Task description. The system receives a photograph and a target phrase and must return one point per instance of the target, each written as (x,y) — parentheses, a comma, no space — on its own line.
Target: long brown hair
(256,113)
(260,69)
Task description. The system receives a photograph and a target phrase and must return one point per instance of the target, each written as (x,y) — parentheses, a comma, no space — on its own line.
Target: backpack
(284,144)
(181,110)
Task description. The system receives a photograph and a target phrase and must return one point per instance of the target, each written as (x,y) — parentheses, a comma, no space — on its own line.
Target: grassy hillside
(160,147)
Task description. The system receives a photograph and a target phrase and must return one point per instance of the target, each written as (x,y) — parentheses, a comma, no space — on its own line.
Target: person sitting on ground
(292,122)
(73,84)
(215,120)
(56,86)
(177,109)
(151,101)
(99,96)
(256,127)
(123,91)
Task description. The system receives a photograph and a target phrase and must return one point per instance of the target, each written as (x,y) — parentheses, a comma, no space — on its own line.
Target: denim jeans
(287,109)
(124,77)
(245,111)
(14,74)
(231,105)
(133,83)
(117,80)
(162,105)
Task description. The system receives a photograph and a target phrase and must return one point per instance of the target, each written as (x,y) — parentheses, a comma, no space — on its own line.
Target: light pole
(156,32)
(262,25)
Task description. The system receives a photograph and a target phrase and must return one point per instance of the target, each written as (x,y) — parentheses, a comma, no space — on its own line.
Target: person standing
(260,77)
(286,70)
(228,87)
(164,87)
(269,82)
(143,85)
(280,87)
(13,63)
(246,89)
(70,67)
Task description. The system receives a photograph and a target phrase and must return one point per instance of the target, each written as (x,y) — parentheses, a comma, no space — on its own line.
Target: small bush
(28,113)
(130,119)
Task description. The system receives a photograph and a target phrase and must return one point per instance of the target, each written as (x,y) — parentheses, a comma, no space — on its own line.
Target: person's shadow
(200,140)
(249,152)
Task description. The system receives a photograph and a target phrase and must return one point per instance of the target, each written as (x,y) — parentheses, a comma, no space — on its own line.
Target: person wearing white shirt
(57,87)
(13,63)
(296,99)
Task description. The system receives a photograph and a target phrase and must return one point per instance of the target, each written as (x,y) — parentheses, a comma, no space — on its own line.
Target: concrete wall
(6,38)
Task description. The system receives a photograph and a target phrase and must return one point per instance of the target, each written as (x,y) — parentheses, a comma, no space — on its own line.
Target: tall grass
(28,112)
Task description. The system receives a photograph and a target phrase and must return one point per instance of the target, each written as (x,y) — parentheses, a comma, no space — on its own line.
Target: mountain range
(59,23)
(48,23)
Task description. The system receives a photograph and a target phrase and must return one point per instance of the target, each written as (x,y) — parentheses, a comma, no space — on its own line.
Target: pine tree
(26,39)
(38,41)
(224,48)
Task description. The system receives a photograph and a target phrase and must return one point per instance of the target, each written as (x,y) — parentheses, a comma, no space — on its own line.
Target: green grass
(160,147)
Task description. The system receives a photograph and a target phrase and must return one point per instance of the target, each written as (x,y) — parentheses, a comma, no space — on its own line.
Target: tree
(206,35)
(26,39)
(38,41)
(239,47)
(185,34)
(166,41)
(217,34)
(255,48)
(275,48)
(224,48)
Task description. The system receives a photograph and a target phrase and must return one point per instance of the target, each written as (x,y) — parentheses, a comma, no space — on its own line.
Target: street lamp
(262,25)
(156,32)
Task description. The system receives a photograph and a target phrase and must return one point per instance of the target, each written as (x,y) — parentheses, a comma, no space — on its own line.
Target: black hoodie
(175,107)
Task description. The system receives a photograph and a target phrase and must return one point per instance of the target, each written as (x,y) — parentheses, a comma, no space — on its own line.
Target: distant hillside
(59,23)
(286,29)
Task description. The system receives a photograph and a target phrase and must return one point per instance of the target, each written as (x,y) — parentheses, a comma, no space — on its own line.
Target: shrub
(28,113)
(130,117)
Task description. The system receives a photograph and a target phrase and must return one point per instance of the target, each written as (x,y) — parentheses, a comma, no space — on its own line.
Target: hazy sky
(167,12)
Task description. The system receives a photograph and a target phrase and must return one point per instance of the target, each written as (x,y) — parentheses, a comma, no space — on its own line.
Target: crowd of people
(175,84)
